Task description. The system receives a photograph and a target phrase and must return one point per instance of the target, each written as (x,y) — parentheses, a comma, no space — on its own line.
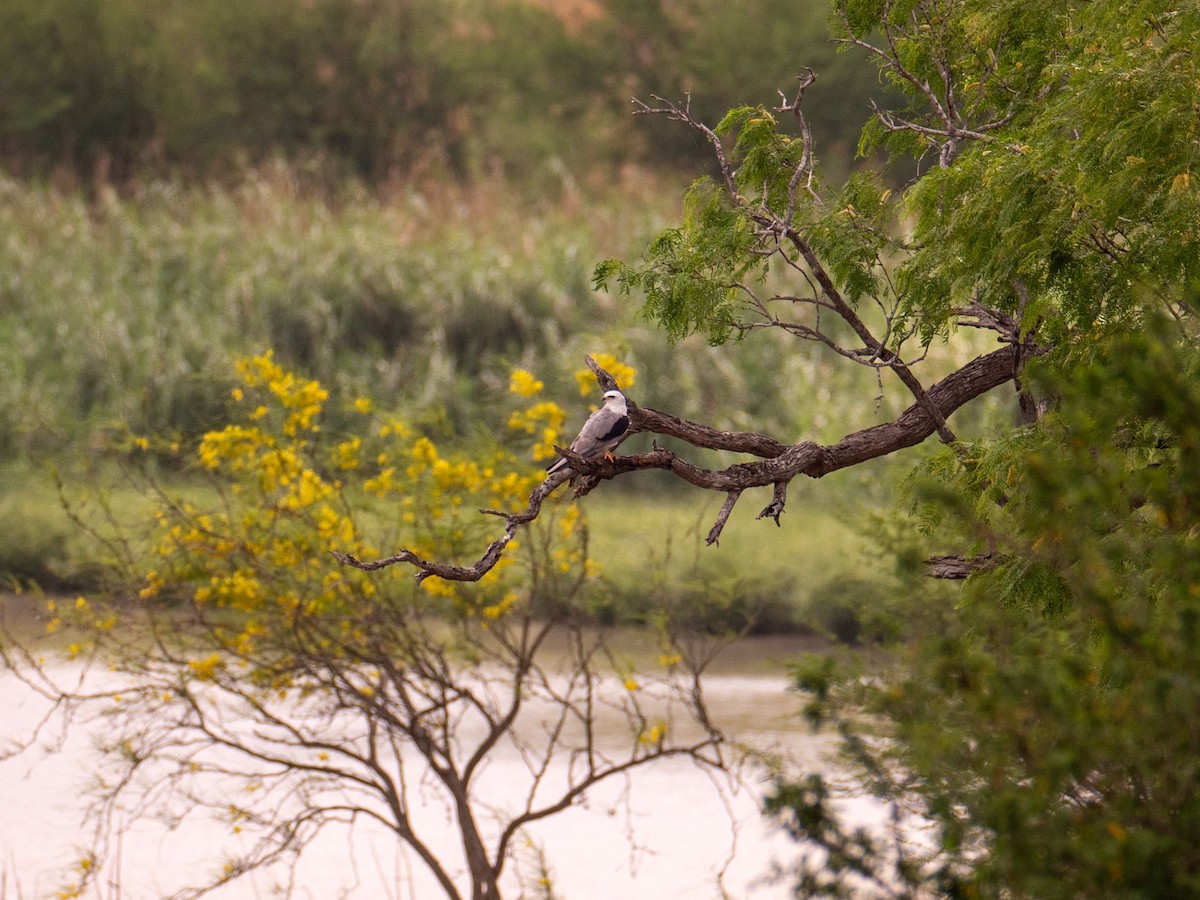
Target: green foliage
(766,157)
(852,236)
(704,275)
(993,54)
(854,610)
(761,580)
(1084,191)
(72,75)
(34,547)
(381,88)
(124,315)
(1045,724)
(689,274)
(1040,722)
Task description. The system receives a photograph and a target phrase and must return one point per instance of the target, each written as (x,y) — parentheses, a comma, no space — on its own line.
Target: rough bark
(955,568)
(776,466)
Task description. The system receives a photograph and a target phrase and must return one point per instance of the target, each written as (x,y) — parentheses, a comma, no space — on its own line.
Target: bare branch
(778,463)
(774,509)
(804,169)
(490,557)
(958,567)
(976,315)
(683,113)
(714,533)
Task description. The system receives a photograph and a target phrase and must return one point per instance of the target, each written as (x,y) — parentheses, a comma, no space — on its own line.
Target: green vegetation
(383,89)
(653,562)
(204,207)
(1037,728)
(125,315)
(1041,719)
(266,685)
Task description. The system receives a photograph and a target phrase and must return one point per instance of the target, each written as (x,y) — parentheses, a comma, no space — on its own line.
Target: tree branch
(777,465)
(956,568)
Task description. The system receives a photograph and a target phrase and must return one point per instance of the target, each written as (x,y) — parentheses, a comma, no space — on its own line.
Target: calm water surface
(672,830)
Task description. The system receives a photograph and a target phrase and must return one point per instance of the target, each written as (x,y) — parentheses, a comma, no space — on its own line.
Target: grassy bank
(649,547)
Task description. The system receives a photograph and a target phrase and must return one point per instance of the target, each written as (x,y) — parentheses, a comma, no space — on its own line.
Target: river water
(671,830)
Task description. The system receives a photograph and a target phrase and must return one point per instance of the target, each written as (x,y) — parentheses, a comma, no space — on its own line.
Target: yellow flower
(424,450)
(233,443)
(381,484)
(436,587)
(523,384)
(204,669)
(545,418)
(345,454)
(569,521)
(654,734)
(363,405)
(500,607)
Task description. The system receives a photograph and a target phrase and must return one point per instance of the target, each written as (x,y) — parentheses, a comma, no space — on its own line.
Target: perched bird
(600,433)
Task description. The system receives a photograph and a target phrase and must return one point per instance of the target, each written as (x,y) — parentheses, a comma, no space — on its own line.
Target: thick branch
(846,311)
(490,557)
(956,568)
(910,428)
(778,463)
(714,533)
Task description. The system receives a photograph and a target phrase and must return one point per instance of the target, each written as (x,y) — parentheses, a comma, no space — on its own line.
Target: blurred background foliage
(403,199)
(384,88)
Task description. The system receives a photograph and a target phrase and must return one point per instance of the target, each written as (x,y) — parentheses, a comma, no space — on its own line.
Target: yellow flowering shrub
(523,384)
(253,562)
(256,565)
(253,636)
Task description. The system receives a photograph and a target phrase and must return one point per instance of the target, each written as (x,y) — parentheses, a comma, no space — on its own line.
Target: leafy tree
(383,89)
(1042,725)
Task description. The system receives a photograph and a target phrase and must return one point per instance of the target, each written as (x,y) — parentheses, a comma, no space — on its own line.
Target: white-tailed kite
(600,433)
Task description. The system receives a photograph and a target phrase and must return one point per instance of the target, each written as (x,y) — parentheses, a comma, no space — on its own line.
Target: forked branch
(775,466)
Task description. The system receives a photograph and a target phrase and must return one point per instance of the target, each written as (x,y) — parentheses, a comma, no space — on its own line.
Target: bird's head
(615,400)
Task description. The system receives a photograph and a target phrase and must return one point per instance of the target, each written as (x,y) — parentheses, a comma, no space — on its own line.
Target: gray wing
(602,427)
(600,432)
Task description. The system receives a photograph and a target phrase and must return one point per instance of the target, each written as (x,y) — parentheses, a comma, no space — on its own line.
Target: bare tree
(314,729)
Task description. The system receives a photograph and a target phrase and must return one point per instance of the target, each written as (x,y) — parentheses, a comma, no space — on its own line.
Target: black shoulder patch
(618,428)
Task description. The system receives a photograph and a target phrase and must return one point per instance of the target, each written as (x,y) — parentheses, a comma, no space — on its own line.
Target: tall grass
(124,312)
(128,310)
